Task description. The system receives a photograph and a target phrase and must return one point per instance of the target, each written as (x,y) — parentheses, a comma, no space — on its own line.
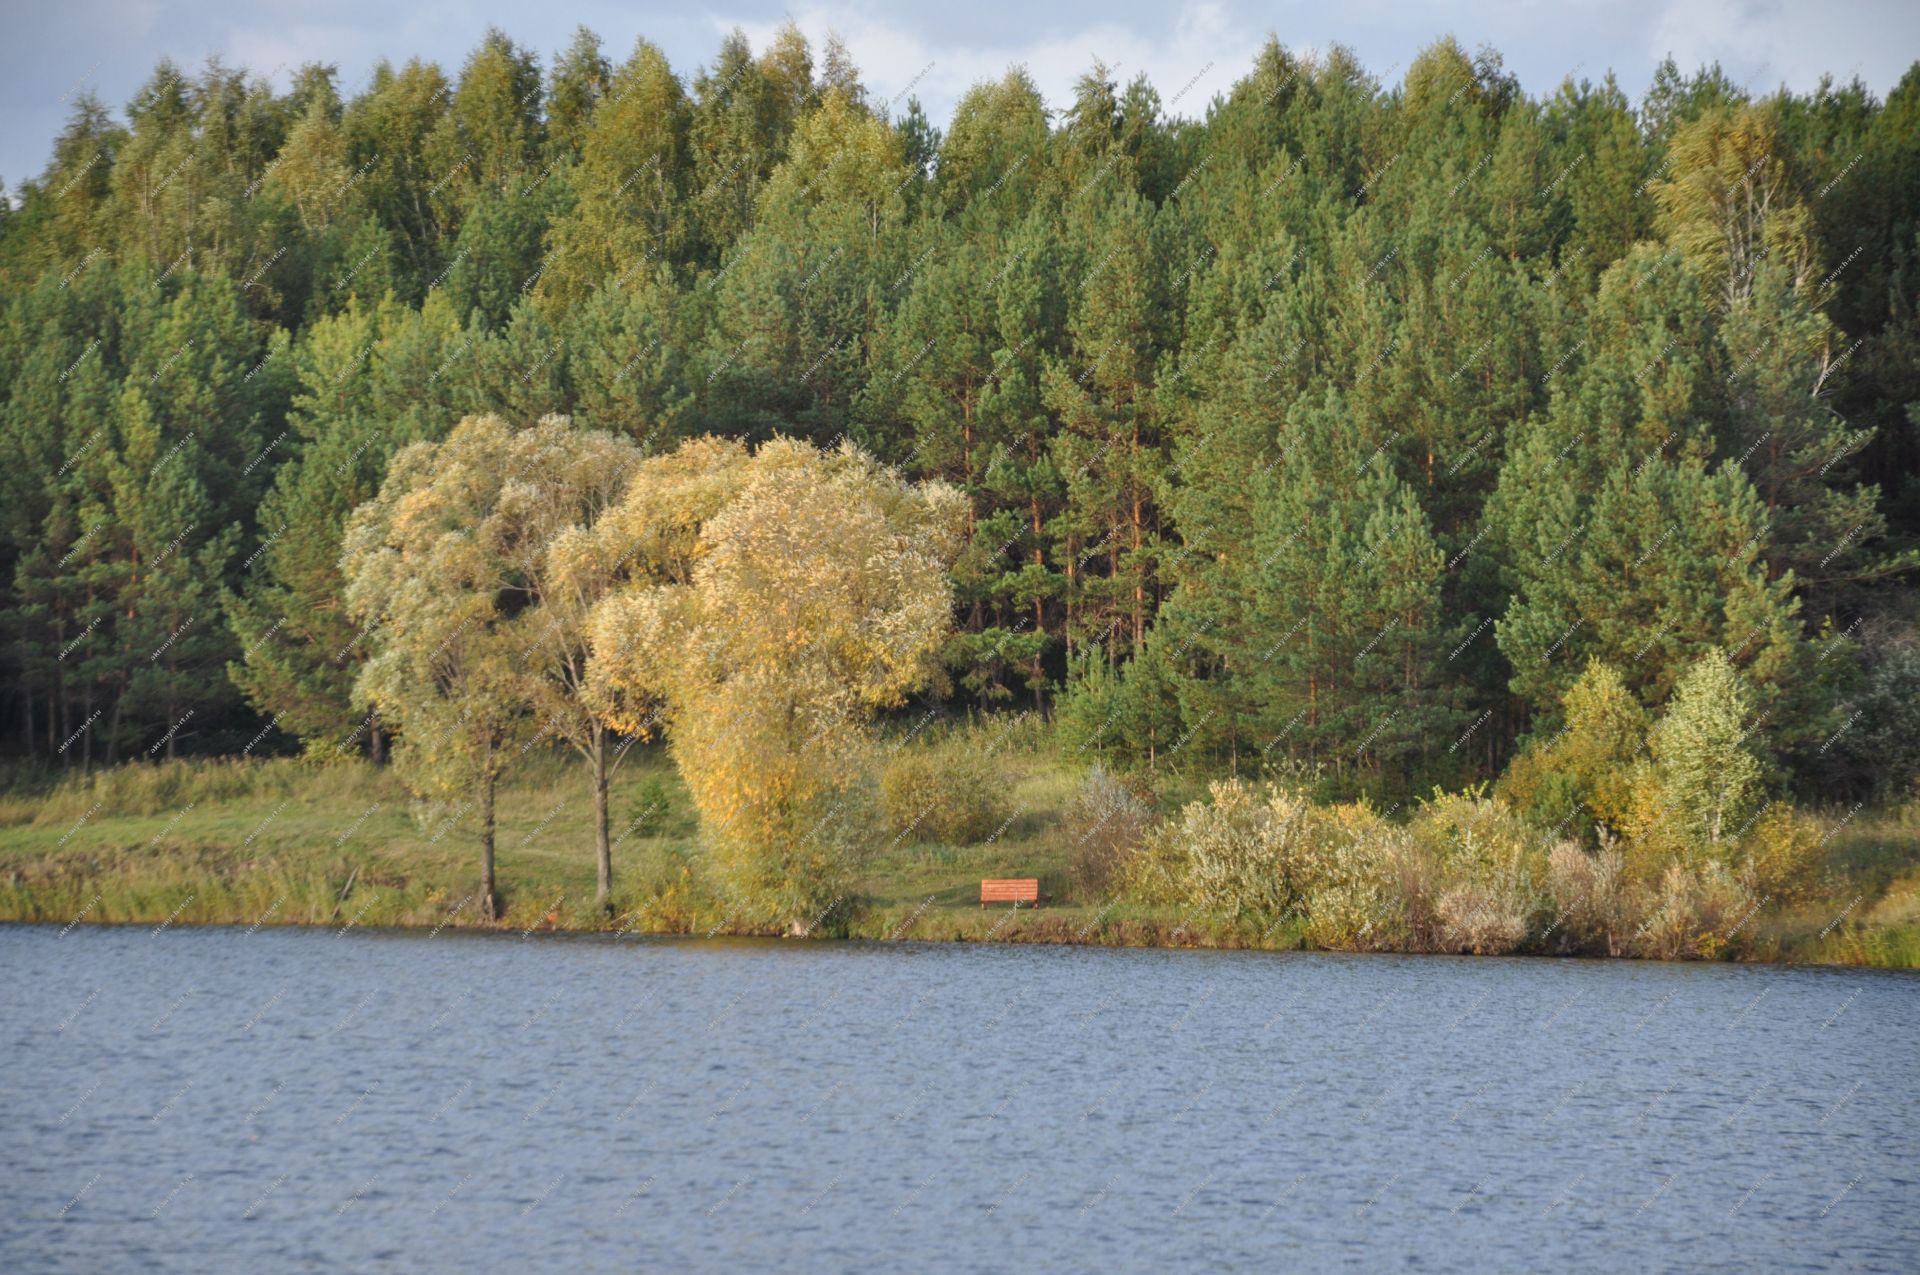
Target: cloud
(1199,53)
(1765,43)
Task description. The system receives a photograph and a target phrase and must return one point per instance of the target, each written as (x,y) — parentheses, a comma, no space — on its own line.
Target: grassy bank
(282,842)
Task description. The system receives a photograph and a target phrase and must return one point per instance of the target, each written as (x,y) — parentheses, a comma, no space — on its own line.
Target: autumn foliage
(779,598)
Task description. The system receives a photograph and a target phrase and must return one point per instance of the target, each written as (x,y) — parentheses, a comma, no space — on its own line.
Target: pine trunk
(1139,579)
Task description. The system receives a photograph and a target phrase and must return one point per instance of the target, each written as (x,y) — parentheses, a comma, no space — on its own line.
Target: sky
(51,51)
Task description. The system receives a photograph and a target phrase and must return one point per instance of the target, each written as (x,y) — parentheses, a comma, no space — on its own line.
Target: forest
(1544,470)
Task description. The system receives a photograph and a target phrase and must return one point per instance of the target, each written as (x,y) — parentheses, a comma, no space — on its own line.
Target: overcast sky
(53,50)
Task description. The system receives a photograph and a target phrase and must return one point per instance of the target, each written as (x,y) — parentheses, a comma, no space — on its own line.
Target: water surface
(219,1099)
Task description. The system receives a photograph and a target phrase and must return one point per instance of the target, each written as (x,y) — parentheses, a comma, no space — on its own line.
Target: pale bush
(1363,879)
(1697,899)
(1693,913)
(1592,911)
(1104,827)
(1246,851)
(942,796)
(1416,883)
(1467,874)
(1484,885)
(428,813)
(1482,918)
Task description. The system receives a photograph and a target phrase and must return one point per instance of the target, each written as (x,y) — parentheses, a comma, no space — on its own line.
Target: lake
(220,1099)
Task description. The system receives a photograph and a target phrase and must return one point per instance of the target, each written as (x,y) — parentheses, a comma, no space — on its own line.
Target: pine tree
(372,382)
(1111,439)
(1783,357)
(1345,657)
(797,304)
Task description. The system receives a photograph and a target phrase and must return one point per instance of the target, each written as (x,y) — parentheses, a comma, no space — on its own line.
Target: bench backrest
(1021,890)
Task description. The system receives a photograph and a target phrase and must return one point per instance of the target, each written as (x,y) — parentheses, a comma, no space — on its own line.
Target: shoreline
(278,843)
(1212,938)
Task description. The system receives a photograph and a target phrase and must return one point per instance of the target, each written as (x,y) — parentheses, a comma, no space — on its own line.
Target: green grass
(287,842)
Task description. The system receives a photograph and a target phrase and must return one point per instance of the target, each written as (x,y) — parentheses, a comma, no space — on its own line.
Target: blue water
(214,1099)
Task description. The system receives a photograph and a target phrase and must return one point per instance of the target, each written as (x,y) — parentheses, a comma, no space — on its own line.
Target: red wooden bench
(1016,891)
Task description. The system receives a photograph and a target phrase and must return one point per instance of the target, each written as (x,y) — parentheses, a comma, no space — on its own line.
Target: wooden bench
(1016,892)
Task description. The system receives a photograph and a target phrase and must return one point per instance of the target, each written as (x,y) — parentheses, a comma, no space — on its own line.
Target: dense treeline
(1338,432)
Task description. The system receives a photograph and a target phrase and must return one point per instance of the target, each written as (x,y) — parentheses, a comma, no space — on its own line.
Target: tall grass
(151,788)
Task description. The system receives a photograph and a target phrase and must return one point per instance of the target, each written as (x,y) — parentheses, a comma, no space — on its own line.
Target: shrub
(1587,768)
(1357,895)
(667,892)
(649,811)
(1550,798)
(1592,913)
(1488,875)
(1696,911)
(942,796)
(1245,852)
(1104,827)
(1780,859)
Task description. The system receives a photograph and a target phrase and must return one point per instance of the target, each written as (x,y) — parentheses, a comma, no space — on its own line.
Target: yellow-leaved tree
(779,598)
(463,569)
(429,587)
(1728,202)
(557,483)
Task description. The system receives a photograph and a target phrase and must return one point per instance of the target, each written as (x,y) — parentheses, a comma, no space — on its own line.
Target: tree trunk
(113,727)
(86,744)
(1066,630)
(966,454)
(1039,604)
(1139,579)
(58,718)
(604,849)
(489,905)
